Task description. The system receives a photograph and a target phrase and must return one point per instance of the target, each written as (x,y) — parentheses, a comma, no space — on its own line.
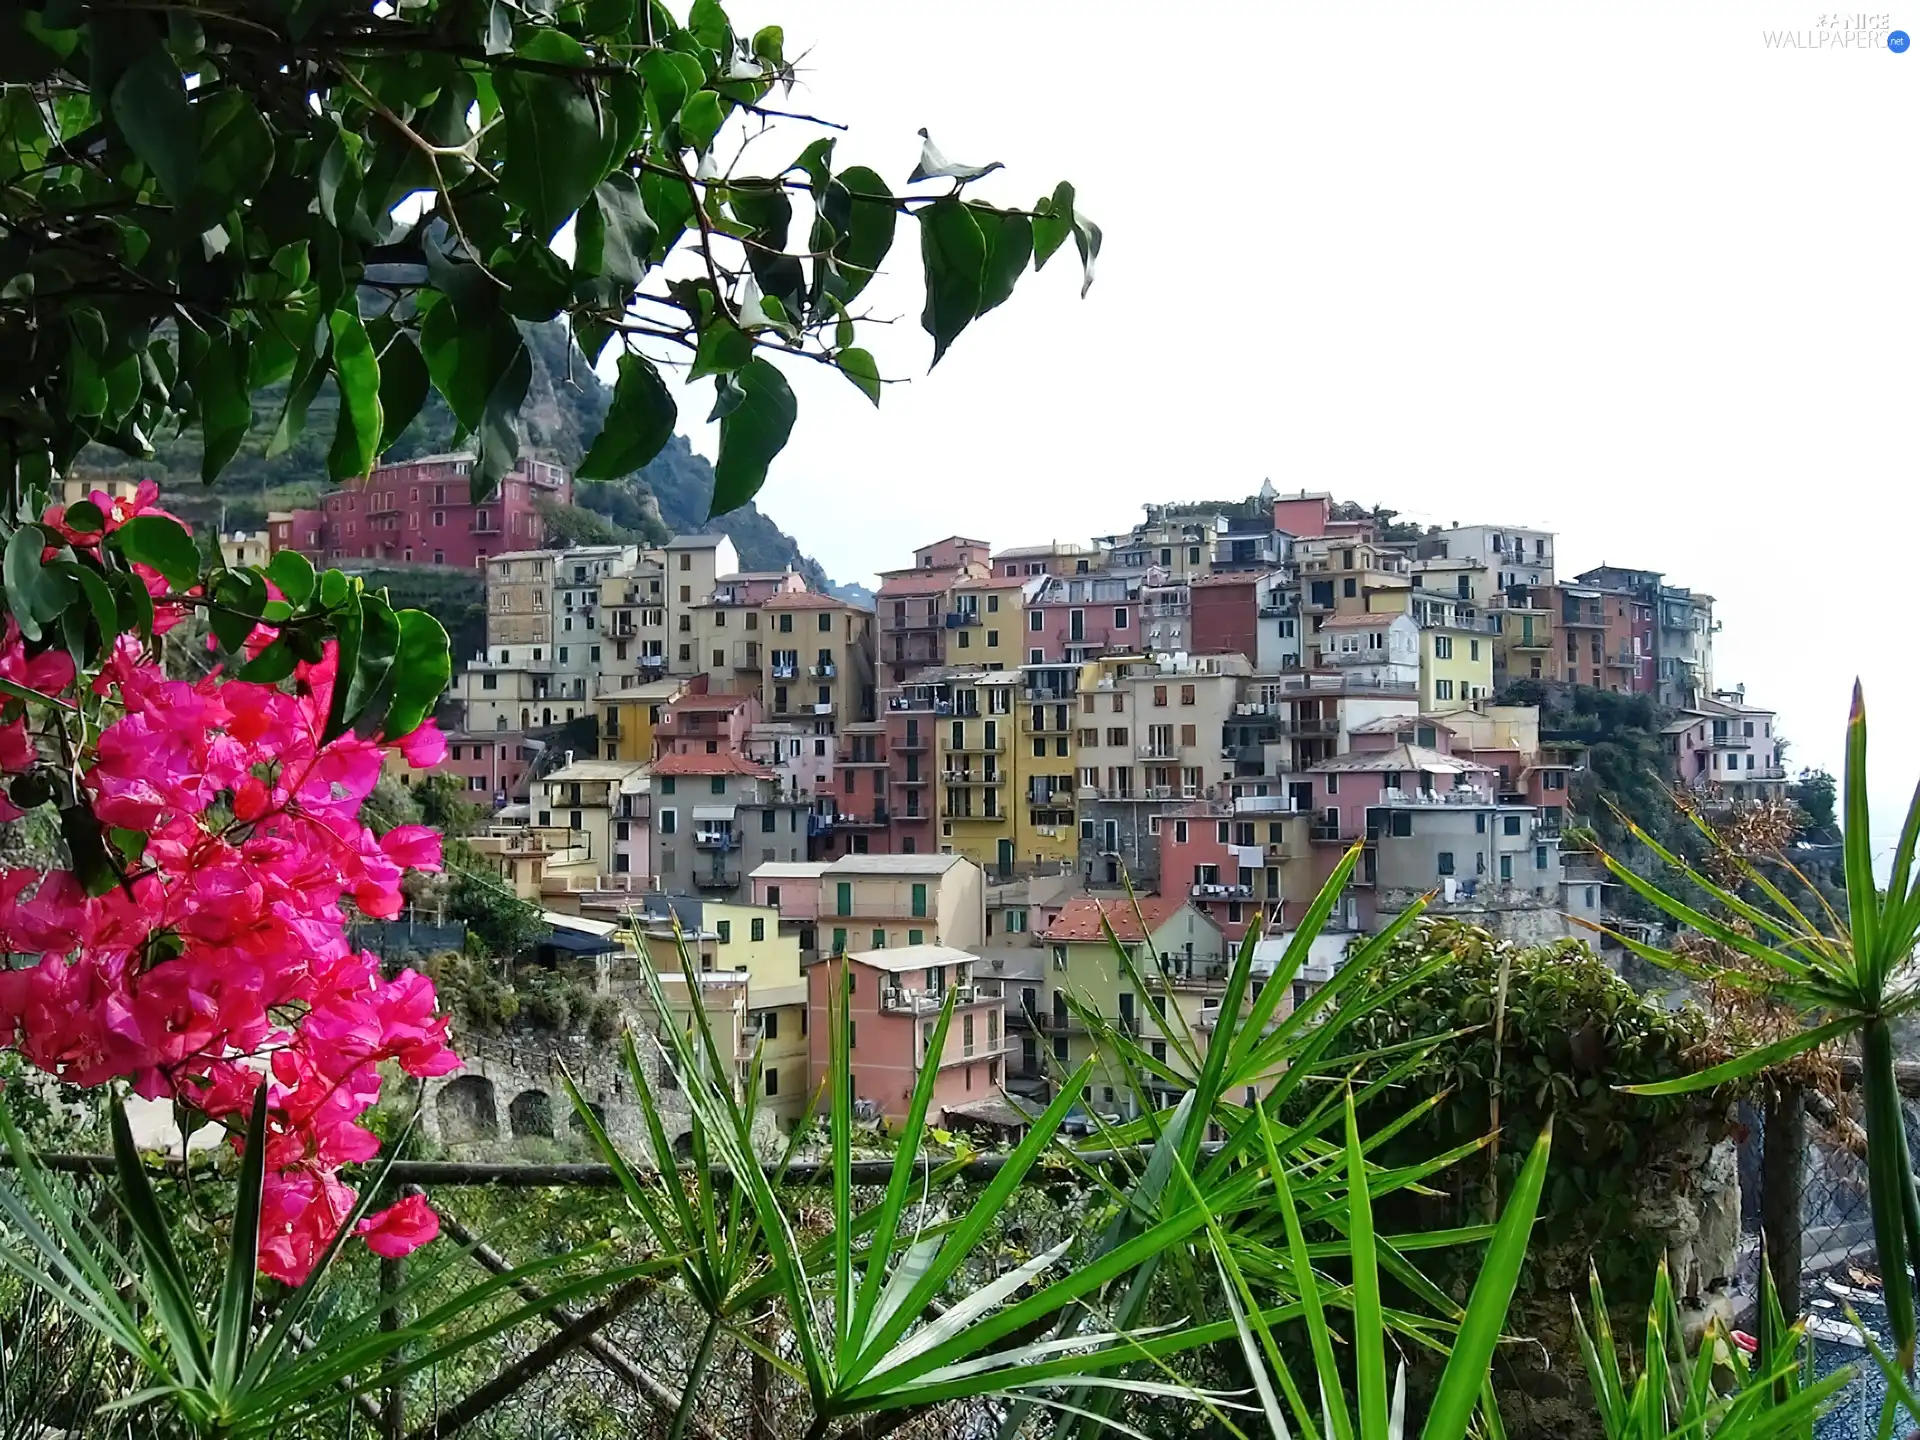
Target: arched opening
(579,1126)
(467,1111)
(531,1113)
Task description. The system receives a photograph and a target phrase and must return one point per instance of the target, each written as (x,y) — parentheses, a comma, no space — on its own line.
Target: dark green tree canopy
(200,200)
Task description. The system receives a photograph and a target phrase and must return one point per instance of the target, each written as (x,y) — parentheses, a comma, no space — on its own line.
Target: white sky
(1621,271)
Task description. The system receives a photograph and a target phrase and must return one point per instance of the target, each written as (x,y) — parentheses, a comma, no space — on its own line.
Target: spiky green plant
(1850,978)
(1714,1390)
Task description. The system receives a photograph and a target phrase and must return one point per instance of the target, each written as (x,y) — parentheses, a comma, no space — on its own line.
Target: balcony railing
(822,672)
(1157,750)
(1731,741)
(1435,797)
(875,821)
(960,619)
(715,840)
(718,878)
(1209,891)
(782,670)
(978,747)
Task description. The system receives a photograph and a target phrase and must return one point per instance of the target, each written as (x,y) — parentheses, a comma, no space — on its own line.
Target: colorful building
(422,512)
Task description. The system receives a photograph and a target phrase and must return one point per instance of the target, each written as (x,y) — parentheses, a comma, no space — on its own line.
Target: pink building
(492,767)
(709,723)
(421,512)
(894,1002)
(858,792)
(1727,745)
(1303,516)
(1228,863)
(1081,617)
(791,887)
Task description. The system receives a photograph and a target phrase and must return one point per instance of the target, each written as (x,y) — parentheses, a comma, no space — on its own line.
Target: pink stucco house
(894,999)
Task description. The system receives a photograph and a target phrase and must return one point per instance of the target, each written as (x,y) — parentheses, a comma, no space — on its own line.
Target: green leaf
(373,660)
(863,214)
(404,383)
(233,1318)
(724,347)
(859,367)
(150,106)
(1479,1334)
(538,281)
(624,232)
(423,668)
(710,26)
(293,573)
(23,578)
(727,395)
(85,517)
(1052,223)
(165,1281)
(499,434)
(271,665)
(669,78)
(751,436)
(553,143)
(1009,237)
(161,542)
(700,120)
(954,255)
(935,166)
(226,407)
(356,434)
(237,608)
(236,150)
(769,44)
(99,596)
(1750,1062)
(1086,239)
(638,424)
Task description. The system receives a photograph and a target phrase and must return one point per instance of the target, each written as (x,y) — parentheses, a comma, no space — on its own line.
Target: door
(1006,857)
(1077,625)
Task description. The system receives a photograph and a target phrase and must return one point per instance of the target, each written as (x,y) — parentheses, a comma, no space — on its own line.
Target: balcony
(718,878)
(1440,798)
(1153,750)
(1771,772)
(1263,805)
(820,825)
(1185,973)
(716,840)
(1531,639)
(1335,832)
(653,662)
(875,821)
(822,672)
(977,747)
(785,670)
(961,619)
(484,524)
(1547,829)
(1583,622)
(909,745)
(1730,741)
(967,817)
(1209,891)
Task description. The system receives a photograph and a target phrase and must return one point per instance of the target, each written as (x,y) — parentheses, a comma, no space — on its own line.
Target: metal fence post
(393,1396)
(1783,1150)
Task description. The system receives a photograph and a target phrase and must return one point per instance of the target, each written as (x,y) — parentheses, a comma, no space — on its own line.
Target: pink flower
(413,847)
(424,746)
(400,1229)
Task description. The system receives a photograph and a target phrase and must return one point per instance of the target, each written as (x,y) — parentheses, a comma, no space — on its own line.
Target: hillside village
(955,789)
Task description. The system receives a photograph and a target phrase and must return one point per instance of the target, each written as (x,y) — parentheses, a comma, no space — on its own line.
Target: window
(1443,647)
(1349,588)
(1186,694)
(1120,617)
(770,1022)
(1473,649)
(1509,824)
(919,902)
(1506,869)
(1443,689)
(843,900)
(840,948)
(1539,857)
(1034,620)
(1333,784)
(1160,695)
(916,937)
(666,788)
(667,818)
(758,930)
(879,939)
(773,1075)
(724,929)
(1445,862)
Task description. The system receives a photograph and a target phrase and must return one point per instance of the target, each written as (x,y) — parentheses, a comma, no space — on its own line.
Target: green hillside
(563,414)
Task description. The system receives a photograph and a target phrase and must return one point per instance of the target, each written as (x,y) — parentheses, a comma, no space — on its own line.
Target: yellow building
(633,622)
(1045,758)
(989,628)
(1455,665)
(520,604)
(1181,957)
(1340,576)
(1526,647)
(977,781)
(627,718)
(872,902)
(738,946)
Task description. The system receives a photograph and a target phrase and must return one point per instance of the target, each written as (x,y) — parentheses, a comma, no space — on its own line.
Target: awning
(578,942)
(715,812)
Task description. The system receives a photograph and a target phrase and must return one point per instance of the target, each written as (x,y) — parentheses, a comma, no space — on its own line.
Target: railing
(1156,750)
(1342,832)
(1208,891)
(1771,772)
(978,747)
(1730,741)
(715,840)
(1263,805)
(1435,797)
(783,671)
(822,672)
(716,879)
(960,619)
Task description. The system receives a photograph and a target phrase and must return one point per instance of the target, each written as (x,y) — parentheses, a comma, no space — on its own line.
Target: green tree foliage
(498,922)
(1568,1034)
(201,202)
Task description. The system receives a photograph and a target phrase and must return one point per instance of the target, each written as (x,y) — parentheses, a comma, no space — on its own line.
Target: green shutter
(843,896)
(920,902)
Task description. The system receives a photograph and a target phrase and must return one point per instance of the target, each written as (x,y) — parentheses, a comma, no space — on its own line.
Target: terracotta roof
(804,600)
(992,582)
(1400,757)
(725,762)
(1081,919)
(721,700)
(1394,724)
(919,582)
(1245,577)
(1362,622)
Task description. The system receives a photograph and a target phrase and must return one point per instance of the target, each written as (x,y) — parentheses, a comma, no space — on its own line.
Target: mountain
(565,407)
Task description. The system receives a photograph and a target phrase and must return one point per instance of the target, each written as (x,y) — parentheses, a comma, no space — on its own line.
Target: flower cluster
(222,961)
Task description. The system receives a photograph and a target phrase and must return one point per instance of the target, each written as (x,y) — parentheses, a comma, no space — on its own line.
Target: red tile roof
(803,600)
(918,582)
(1362,622)
(725,762)
(1080,919)
(720,700)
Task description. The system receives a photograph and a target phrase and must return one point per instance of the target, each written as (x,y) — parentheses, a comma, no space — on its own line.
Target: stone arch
(683,1145)
(531,1113)
(467,1110)
(579,1126)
